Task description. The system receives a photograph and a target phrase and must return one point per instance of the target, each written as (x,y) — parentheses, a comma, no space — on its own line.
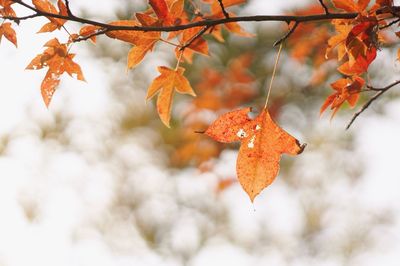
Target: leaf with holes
(262,144)
(58,61)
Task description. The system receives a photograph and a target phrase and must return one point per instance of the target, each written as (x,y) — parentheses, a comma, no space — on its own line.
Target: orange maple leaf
(47,6)
(169,81)
(58,61)
(262,144)
(7,31)
(347,89)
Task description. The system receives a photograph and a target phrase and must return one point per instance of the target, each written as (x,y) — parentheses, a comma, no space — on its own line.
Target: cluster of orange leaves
(58,59)
(356,42)
(355,46)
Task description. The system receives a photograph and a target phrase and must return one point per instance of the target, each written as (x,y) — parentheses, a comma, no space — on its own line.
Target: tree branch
(379,93)
(203,23)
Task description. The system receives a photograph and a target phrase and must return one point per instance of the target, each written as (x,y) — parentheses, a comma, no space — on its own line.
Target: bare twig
(221,4)
(379,92)
(287,34)
(324,6)
(18,19)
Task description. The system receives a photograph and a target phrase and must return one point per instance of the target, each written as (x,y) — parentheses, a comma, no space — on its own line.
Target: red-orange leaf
(347,89)
(169,81)
(262,144)
(7,31)
(160,7)
(346,5)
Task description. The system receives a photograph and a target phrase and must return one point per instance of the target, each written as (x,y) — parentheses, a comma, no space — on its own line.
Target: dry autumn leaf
(169,81)
(58,61)
(262,144)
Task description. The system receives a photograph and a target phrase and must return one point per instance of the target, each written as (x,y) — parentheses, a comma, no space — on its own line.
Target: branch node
(287,34)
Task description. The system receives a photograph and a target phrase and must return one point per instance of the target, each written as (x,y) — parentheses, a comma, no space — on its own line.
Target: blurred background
(96,179)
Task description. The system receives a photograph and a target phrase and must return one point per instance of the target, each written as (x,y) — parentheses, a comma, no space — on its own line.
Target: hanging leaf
(262,144)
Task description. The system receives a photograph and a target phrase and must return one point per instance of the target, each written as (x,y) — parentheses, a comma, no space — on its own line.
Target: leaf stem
(179,59)
(273,75)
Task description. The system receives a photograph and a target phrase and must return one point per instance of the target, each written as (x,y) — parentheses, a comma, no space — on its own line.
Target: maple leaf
(262,144)
(47,6)
(169,81)
(58,61)
(347,89)
(7,31)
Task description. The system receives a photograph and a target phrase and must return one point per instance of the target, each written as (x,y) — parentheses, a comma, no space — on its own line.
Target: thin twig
(87,37)
(379,92)
(324,6)
(69,12)
(221,4)
(194,38)
(390,24)
(17,19)
(287,34)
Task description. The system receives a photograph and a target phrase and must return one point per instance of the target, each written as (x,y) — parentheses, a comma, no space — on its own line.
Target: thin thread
(273,74)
